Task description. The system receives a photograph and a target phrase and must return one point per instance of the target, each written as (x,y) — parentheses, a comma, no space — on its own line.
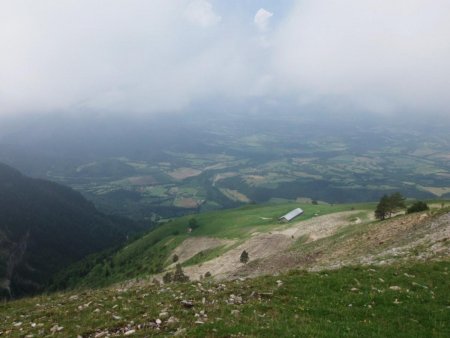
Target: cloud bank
(149,57)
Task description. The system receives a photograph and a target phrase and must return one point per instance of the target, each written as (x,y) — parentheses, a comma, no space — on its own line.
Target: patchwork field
(230,164)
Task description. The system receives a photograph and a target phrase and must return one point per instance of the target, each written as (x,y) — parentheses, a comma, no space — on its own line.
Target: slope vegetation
(215,234)
(324,237)
(409,300)
(44,227)
(333,272)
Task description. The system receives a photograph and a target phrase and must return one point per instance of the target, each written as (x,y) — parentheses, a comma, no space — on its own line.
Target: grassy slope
(356,302)
(149,254)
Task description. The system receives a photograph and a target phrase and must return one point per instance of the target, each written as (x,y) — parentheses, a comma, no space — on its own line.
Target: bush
(175,258)
(167,278)
(417,207)
(179,275)
(244,257)
(193,223)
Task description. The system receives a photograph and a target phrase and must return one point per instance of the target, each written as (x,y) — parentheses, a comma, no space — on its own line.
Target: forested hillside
(43,227)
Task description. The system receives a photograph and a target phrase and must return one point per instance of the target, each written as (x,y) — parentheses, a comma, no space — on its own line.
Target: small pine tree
(179,275)
(175,258)
(244,257)
(167,278)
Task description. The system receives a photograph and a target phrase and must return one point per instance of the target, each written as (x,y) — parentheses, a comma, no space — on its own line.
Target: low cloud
(377,55)
(200,12)
(147,57)
(262,18)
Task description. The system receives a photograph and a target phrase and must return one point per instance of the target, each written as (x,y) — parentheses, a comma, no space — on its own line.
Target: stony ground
(326,242)
(260,246)
(408,300)
(364,278)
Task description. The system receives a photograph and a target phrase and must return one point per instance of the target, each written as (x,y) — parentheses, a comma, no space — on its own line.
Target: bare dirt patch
(223,176)
(254,180)
(319,227)
(193,245)
(187,203)
(437,191)
(142,180)
(326,242)
(234,195)
(182,173)
(415,236)
(261,246)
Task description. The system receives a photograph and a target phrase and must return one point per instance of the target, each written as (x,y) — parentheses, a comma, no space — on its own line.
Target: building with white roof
(291,215)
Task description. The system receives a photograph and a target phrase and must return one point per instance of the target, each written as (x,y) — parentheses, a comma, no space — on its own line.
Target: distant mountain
(45,226)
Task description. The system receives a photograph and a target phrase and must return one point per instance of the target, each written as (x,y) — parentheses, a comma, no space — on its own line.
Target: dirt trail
(264,245)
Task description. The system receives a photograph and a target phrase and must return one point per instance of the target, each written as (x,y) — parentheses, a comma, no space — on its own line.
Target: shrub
(167,278)
(193,224)
(179,275)
(175,258)
(244,257)
(417,207)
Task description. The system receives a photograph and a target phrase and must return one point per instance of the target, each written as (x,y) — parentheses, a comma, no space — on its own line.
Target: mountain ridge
(45,226)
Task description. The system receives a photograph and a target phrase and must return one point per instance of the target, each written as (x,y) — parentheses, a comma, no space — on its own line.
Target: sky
(156,57)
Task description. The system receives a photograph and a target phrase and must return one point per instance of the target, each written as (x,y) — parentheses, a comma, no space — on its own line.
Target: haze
(151,57)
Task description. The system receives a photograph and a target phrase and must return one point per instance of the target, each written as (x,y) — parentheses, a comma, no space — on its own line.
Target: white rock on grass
(164,315)
(172,320)
(180,332)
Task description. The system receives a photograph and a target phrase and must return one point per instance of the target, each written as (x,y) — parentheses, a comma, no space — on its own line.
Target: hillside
(409,300)
(152,253)
(332,271)
(324,237)
(44,227)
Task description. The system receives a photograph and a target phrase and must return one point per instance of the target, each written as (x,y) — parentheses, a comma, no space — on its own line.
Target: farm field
(235,161)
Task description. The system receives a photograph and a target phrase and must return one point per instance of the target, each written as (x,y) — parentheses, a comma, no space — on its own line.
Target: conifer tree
(244,257)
